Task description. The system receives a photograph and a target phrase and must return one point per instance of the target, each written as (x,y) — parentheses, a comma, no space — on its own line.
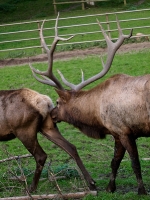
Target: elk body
(24,113)
(120,107)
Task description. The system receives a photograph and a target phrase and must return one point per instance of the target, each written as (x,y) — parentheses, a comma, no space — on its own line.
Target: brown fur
(24,113)
(119,106)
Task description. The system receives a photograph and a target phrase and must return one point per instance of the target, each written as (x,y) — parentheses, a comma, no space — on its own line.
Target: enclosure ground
(75,53)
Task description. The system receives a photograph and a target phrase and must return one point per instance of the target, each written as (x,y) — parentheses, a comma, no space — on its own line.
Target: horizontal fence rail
(24,36)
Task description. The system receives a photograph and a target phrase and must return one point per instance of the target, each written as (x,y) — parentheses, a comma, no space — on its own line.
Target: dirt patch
(75,53)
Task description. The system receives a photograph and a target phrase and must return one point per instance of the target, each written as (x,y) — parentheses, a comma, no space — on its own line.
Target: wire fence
(24,36)
(91,2)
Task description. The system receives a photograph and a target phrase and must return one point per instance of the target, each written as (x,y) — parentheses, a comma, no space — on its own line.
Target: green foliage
(60,170)
(10,5)
(66,171)
(6,8)
(115,2)
(19,10)
(33,9)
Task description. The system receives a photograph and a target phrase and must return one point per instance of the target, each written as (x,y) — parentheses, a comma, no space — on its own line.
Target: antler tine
(45,80)
(108,41)
(120,30)
(121,35)
(48,76)
(82,74)
(72,86)
(42,38)
(112,48)
(65,81)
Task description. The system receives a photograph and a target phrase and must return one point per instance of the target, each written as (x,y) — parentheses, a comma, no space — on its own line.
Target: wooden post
(55,7)
(39,27)
(83,6)
(108,26)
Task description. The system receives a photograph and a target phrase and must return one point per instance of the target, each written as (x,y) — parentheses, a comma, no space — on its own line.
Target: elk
(24,113)
(118,106)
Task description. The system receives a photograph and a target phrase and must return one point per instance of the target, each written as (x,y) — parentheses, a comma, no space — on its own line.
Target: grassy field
(96,154)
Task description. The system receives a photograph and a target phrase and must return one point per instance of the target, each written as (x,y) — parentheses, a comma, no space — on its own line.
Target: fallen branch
(15,158)
(18,178)
(144,159)
(57,186)
(52,196)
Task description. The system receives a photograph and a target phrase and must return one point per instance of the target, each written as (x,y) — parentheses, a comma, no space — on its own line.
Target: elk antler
(48,76)
(112,48)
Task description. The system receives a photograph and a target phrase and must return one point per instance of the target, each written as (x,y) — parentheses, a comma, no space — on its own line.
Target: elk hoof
(111,187)
(92,186)
(142,191)
(31,189)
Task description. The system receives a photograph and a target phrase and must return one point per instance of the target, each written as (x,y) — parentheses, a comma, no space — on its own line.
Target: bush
(6,8)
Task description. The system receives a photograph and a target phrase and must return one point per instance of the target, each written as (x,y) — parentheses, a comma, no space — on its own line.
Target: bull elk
(113,107)
(24,113)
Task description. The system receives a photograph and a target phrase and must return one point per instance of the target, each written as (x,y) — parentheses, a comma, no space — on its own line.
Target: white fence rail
(25,35)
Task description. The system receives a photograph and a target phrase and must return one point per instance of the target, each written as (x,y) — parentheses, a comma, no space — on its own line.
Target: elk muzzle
(54,115)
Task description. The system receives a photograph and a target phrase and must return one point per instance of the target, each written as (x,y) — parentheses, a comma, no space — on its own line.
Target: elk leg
(119,152)
(40,156)
(55,136)
(130,145)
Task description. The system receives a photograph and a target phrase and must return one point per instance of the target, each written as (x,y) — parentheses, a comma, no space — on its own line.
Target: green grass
(96,154)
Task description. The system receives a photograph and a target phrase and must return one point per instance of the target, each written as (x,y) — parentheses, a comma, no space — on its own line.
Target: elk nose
(53,115)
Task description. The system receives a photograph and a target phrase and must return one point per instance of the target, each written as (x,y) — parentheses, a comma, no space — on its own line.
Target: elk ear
(64,95)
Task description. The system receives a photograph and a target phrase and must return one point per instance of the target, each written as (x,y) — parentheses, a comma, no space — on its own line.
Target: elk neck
(82,111)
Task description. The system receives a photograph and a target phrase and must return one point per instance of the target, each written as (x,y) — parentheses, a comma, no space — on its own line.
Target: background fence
(22,39)
(90,2)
